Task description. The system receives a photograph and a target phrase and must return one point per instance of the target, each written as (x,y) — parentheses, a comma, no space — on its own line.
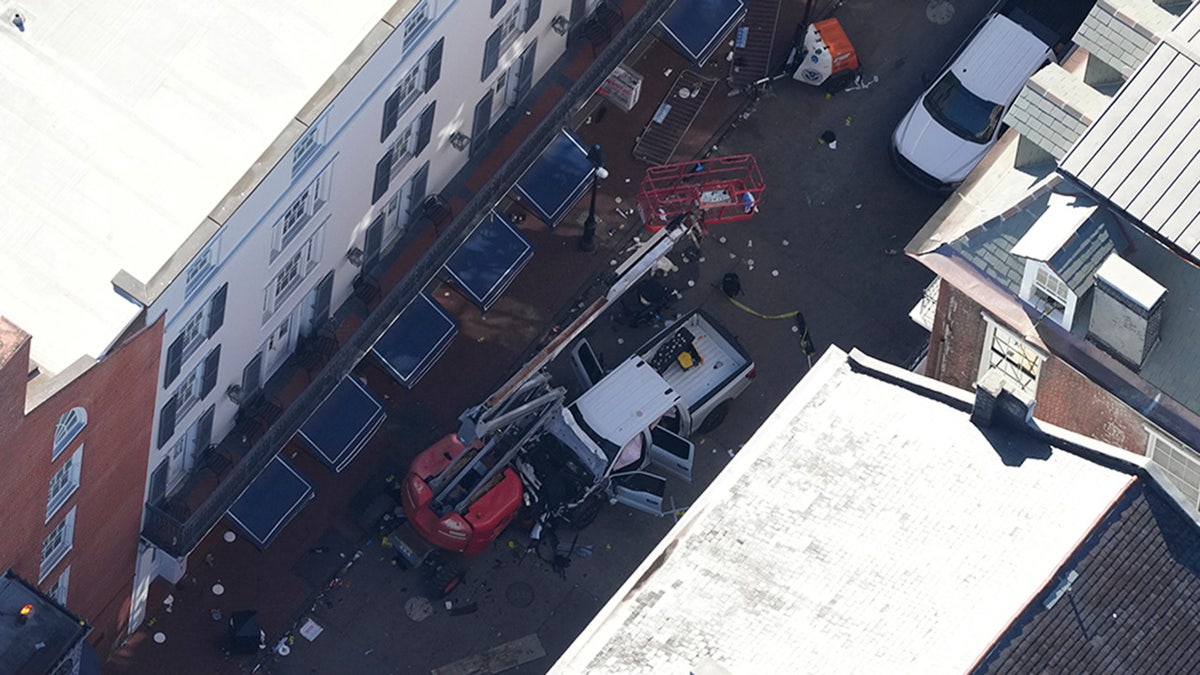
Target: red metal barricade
(716,190)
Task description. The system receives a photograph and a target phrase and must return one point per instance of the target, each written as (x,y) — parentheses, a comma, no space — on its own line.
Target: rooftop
(845,538)
(1143,154)
(126,124)
(1122,603)
(48,634)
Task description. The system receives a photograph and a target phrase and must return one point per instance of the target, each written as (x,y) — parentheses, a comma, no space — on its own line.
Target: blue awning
(696,27)
(270,501)
(415,340)
(343,424)
(486,263)
(557,178)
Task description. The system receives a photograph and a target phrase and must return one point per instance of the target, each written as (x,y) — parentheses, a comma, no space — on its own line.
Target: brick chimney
(1000,401)
(1126,312)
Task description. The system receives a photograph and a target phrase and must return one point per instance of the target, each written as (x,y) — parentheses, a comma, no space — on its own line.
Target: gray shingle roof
(1054,109)
(1121,33)
(1077,261)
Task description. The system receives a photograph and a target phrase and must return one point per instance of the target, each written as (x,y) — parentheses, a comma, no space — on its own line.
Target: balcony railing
(178,537)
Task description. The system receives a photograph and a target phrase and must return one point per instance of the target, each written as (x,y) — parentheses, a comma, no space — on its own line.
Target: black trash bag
(731,284)
(245,634)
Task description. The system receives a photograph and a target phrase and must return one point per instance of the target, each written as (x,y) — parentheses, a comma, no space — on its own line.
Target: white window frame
(195,332)
(414,25)
(64,483)
(402,148)
(58,590)
(292,274)
(308,146)
(1020,351)
(306,205)
(187,394)
(70,424)
(1177,461)
(57,544)
(201,268)
(510,25)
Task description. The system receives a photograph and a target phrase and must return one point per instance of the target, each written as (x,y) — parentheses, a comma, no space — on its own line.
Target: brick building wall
(1065,397)
(118,395)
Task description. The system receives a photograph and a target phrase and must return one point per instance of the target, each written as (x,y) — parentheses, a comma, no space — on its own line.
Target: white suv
(957,120)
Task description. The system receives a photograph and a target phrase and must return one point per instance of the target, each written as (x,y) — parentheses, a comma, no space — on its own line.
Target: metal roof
(48,635)
(1054,109)
(125,125)
(845,538)
(1143,153)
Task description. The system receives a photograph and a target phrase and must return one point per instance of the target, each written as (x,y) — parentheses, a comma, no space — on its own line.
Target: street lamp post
(587,242)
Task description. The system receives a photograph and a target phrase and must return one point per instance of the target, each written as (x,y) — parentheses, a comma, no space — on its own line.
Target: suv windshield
(962,112)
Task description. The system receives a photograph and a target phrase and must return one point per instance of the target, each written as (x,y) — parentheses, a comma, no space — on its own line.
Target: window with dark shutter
(174,362)
(425,128)
(496,6)
(210,371)
(216,310)
(391,113)
(482,121)
(433,65)
(532,11)
(166,422)
(204,428)
(383,175)
(420,183)
(491,54)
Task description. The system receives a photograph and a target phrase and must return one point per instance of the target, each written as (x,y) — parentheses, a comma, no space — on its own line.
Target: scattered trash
(858,206)
(449,604)
(627,180)
(160,638)
(828,138)
(730,451)
(848,120)
(701,258)
(311,629)
(215,614)
(750,262)
(617,200)
(230,536)
(795,329)
(722,240)
(218,589)
(691,283)
(890,252)
(860,84)
(774,273)
(750,243)
(620,341)
(667,72)
(732,255)
(469,608)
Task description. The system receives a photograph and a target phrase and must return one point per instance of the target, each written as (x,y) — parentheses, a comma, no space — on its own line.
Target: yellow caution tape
(744,308)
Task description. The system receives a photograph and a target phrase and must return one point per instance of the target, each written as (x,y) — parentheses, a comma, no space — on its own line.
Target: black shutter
(174,361)
(420,183)
(532,11)
(204,428)
(491,54)
(216,311)
(482,122)
(496,5)
(433,66)
(425,129)
(525,71)
(210,371)
(166,422)
(391,112)
(383,175)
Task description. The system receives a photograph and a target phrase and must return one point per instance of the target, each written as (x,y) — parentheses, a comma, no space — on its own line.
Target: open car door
(641,491)
(672,453)
(586,364)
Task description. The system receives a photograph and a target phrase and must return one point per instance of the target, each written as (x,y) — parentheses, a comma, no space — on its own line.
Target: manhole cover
(940,11)
(418,608)
(519,594)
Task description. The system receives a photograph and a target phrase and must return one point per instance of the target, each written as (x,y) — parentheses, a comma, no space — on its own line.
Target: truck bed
(722,359)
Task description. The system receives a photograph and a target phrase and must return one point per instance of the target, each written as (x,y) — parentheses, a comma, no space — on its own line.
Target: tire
(444,580)
(585,514)
(714,419)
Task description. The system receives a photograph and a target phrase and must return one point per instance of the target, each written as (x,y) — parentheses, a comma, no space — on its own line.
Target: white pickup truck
(637,418)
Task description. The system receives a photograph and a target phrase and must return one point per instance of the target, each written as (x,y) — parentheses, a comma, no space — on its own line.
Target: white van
(957,120)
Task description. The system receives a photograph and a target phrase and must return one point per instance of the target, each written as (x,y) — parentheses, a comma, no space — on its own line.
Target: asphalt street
(825,242)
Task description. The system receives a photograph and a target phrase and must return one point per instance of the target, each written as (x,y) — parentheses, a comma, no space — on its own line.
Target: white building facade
(336,190)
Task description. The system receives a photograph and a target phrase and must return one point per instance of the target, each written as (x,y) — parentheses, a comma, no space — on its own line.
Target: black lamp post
(587,242)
